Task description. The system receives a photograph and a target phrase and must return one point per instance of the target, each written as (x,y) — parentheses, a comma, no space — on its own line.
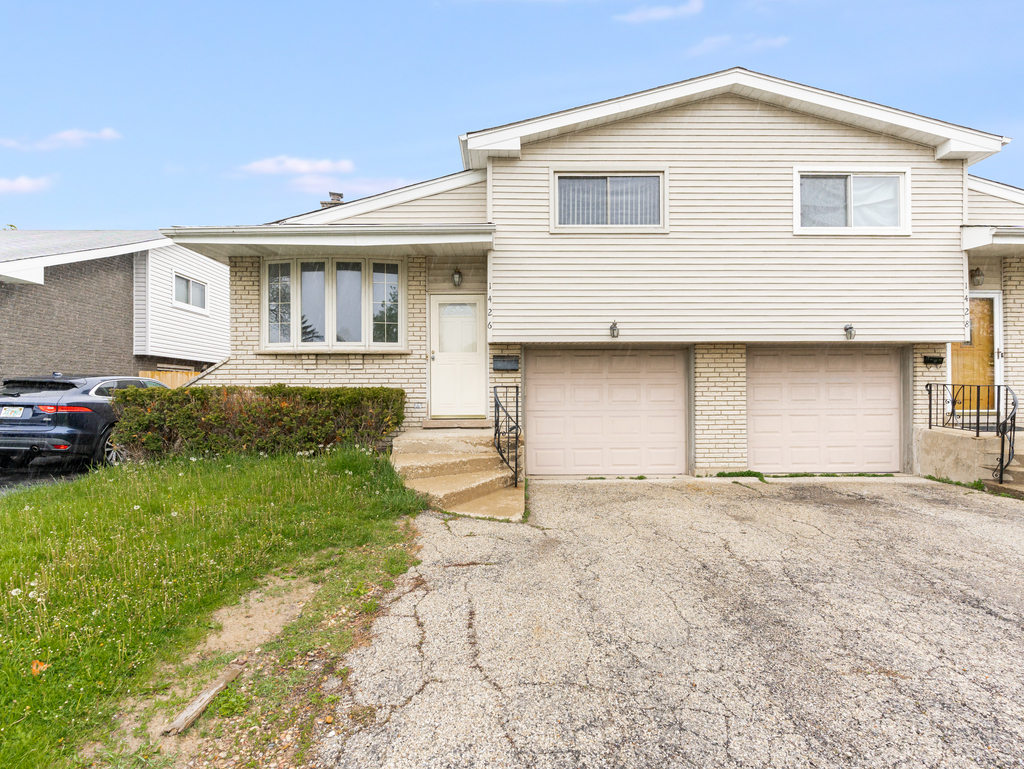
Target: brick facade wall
(80,321)
(923,375)
(720,407)
(505,377)
(248,366)
(1013,322)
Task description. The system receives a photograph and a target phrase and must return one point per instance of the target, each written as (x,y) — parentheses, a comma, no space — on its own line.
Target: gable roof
(951,142)
(996,189)
(25,253)
(387,199)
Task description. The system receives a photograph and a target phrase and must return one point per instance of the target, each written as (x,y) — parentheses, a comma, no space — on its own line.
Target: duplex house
(730,272)
(108,302)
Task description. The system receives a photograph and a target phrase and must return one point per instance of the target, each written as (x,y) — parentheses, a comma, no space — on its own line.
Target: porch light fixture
(977,276)
(851,332)
(457,278)
(614,329)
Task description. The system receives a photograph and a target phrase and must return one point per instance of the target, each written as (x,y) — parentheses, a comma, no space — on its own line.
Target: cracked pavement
(704,623)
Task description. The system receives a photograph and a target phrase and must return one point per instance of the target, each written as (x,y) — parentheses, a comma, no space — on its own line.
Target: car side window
(124,384)
(105,390)
(153,383)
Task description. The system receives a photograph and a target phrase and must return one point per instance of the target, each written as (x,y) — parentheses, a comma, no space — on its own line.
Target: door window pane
(180,289)
(634,200)
(823,201)
(198,295)
(457,328)
(582,200)
(279,307)
(314,306)
(349,302)
(876,201)
(385,303)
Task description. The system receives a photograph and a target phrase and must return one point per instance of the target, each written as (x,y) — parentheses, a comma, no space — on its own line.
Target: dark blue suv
(60,415)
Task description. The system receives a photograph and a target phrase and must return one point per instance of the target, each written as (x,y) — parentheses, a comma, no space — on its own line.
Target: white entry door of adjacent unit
(458,356)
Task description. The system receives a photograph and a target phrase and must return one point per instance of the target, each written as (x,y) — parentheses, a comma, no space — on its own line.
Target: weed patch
(742,474)
(976,485)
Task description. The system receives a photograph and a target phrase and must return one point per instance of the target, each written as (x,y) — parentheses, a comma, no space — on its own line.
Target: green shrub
(157,422)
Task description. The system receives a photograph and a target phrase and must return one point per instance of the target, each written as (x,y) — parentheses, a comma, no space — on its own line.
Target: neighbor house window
(866,202)
(609,200)
(189,292)
(343,304)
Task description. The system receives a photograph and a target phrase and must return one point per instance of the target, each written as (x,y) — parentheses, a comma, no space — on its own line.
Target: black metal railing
(506,426)
(990,409)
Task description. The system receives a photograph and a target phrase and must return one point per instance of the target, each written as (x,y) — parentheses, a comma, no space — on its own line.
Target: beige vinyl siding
(176,332)
(466,205)
(730,268)
(139,315)
(983,208)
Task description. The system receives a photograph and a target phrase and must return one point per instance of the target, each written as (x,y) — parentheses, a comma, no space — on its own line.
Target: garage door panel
(622,413)
(823,410)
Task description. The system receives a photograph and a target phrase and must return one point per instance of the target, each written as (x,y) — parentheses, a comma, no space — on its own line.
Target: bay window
(341,304)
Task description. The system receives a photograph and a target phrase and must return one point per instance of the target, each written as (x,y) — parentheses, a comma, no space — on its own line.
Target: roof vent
(336,200)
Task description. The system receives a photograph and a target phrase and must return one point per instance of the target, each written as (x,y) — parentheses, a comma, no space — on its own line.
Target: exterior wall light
(457,278)
(851,332)
(978,276)
(614,329)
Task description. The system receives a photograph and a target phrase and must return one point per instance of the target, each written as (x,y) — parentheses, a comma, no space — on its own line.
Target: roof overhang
(992,241)
(951,142)
(31,269)
(283,240)
(996,189)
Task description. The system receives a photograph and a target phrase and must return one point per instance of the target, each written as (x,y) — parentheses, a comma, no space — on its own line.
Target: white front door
(458,356)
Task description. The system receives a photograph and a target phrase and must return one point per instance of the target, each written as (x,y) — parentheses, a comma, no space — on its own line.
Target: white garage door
(604,412)
(823,409)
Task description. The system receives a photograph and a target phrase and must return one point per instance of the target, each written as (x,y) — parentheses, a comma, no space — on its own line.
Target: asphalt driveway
(705,624)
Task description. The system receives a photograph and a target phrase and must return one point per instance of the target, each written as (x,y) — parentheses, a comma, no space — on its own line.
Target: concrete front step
(466,441)
(430,465)
(1010,489)
(506,503)
(447,491)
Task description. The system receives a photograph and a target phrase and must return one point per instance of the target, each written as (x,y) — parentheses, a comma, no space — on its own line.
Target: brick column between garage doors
(719,407)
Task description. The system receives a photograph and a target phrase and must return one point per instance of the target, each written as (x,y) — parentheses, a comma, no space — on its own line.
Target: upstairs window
(873,203)
(618,200)
(190,293)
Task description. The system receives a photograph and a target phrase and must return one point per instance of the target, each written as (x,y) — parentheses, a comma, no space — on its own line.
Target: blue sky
(142,115)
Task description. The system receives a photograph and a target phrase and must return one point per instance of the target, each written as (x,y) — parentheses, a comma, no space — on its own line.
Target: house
(730,272)
(108,302)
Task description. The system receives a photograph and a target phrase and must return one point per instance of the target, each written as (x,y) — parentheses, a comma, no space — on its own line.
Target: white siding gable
(462,206)
(181,332)
(989,209)
(730,267)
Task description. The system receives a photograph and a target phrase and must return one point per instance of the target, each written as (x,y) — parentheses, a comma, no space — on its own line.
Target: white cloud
(25,184)
(709,45)
(661,12)
(761,43)
(73,137)
(283,164)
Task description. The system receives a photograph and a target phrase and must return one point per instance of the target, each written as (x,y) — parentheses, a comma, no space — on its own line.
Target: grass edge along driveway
(101,576)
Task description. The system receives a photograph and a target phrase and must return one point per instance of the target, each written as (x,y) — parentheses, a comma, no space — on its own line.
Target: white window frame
(205,309)
(902,172)
(330,345)
(605,170)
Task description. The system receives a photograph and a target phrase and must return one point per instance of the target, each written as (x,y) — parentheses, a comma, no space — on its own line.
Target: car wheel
(106,452)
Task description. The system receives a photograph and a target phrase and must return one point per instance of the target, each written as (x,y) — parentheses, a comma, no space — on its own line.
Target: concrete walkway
(705,624)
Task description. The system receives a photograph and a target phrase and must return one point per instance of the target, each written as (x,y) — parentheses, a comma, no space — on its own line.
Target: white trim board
(391,198)
(995,189)
(951,142)
(30,269)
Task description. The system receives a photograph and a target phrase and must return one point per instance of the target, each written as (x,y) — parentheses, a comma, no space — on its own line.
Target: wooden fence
(170,378)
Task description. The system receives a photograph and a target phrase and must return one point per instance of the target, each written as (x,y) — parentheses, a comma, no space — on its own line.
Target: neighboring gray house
(108,302)
(730,272)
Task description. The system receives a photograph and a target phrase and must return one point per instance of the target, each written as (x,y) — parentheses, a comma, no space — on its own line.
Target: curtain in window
(823,201)
(582,200)
(876,201)
(198,295)
(279,309)
(634,200)
(313,276)
(349,289)
(180,289)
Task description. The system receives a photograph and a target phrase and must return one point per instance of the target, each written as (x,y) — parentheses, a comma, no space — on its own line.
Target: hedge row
(157,422)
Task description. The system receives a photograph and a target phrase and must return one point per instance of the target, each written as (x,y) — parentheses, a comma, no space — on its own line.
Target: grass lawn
(103,575)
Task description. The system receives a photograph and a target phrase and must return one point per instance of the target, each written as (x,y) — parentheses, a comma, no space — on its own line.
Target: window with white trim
(340,303)
(188,292)
(609,200)
(864,202)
